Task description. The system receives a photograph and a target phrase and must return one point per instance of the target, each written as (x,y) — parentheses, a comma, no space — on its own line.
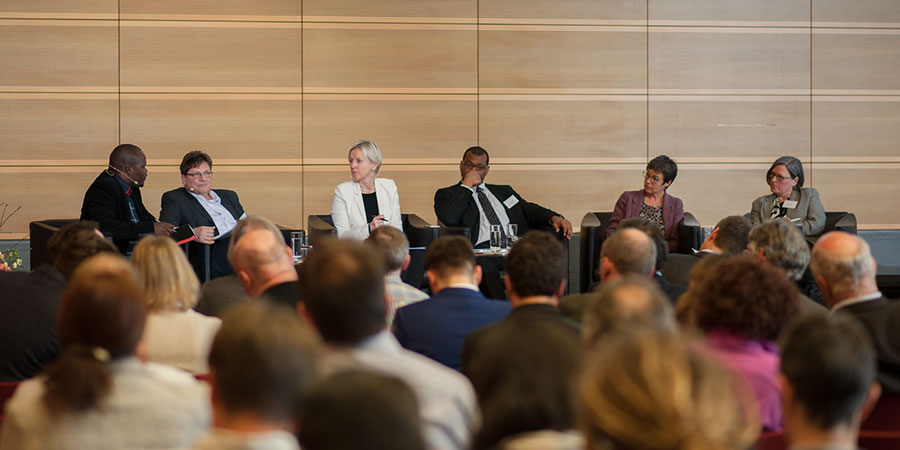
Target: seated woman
(212,214)
(98,394)
(366,202)
(175,334)
(652,202)
(789,200)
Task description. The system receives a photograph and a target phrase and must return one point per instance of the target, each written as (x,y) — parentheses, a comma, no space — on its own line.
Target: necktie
(489,210)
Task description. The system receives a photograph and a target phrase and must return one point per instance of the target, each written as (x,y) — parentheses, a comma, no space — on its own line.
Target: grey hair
(370,150)
(844,273)
(631,251)
(783,245)
(248,224)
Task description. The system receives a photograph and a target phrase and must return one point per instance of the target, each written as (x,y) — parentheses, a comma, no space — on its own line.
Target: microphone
(191,189)
(124,175)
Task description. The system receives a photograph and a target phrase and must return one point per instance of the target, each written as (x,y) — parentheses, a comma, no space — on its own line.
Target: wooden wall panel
(274,192)
(708,58)
(729,127)
(415,128)
(713,191)
(844,61)
(876,11)
(856,128)
(870,191)
(364,57)
(57,8)
(536,59)
(53,129)
(256,128)
(558,127)
(59,197)
(729,10)
(160,57)
(454,9)
(542,11)
(248,9)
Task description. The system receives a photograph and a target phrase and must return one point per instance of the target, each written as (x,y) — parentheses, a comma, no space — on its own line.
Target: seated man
(114,200)
(475,205)
(265,267)
(729,237)
(438,326)
(626,302)
(393,246)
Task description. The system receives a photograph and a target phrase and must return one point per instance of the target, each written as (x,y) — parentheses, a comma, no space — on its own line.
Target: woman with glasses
(366,202)
(652,202)
(211,213)
(789,200)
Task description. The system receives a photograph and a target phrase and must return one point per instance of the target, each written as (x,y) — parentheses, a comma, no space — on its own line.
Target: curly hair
(782,244)
(748,297)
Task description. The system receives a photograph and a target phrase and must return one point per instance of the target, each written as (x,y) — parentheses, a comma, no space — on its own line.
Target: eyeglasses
(206,174)
(655,179)
(779,178)
(469,165)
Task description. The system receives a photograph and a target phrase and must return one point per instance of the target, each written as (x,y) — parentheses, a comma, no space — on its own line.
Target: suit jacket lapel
(358,201)
(198,210)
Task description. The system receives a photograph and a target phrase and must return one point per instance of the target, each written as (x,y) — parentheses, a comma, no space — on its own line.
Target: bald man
(114,200)
(264,265)
(845,272)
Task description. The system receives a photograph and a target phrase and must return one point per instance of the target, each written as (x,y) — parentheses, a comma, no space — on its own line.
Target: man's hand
(562,224)
(163,228)
(205,235)
(472,178)
(376,222)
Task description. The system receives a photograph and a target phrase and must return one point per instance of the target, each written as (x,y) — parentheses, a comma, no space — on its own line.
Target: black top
(371,204)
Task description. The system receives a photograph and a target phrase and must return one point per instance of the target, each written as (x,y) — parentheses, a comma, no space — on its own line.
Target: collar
(212,193)
(383,341)
(854,300)
(125,186)
(468,286)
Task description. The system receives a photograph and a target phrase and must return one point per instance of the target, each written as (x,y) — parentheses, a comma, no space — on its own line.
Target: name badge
(512,200)
(789,204)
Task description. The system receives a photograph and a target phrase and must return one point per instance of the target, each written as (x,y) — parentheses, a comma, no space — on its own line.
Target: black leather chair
(840,221)
(39,232)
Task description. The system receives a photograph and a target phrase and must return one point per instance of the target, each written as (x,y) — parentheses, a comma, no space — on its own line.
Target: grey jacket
(809,210)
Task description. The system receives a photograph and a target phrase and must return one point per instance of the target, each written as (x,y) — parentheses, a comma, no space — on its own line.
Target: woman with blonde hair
(647,388)
(175,334)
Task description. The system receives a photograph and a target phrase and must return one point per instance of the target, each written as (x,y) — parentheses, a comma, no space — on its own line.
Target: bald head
(843,266)
(261,260)
(627,252)
(627,301)
(126,154)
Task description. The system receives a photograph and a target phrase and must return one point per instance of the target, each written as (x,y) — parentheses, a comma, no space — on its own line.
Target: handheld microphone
(124,175)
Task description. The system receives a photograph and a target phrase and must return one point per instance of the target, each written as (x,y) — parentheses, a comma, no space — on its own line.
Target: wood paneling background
(571,98)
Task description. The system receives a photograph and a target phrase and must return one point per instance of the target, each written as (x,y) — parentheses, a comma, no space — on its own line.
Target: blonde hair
(167,279)
(370,150)
(646,388)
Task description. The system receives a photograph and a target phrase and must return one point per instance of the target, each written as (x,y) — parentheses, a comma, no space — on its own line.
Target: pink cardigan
(629,205)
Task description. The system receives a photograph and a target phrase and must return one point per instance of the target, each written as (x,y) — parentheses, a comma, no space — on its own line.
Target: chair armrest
(318,228)
(419,232)
(688,234)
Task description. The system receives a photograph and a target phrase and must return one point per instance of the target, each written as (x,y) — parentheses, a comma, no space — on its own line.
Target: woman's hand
(376,222)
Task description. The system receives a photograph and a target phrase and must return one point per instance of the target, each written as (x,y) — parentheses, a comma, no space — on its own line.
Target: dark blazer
(629,205)
(179,207)
(28,310)
(287,294)
(523,315)
(677,269)
(105,202)
(437,327)
(455,207)
(809,210)
(881,318)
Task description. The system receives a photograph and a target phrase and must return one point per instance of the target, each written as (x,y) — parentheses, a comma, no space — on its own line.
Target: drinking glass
(298,241)
(496,237)
(513,233)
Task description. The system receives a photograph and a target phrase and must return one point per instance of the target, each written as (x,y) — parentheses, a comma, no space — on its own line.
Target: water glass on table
(496,238)
(299,245)
(512,233)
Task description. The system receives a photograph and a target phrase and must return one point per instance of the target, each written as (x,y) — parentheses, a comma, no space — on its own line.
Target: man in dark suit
(114,199)
(672,290)
(211,213)
(845,272)
(729,237)
(265,267)
(437,327)
(29,301)
(535,279)
(476,205)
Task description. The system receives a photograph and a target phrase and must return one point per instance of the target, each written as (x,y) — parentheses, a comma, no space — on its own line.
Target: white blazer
(349,214)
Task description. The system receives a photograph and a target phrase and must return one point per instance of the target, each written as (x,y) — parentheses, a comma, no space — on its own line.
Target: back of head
(72,244)
(450,255)
(843,260)
(733,234)
(262,360)
(783,245)
(747,297)
(125,154)
(524,378)
(392,245)
(246,225)
(536,265)
(342,289)
(101,318)
(626,302)
(358,410)
(167,279)
(631,252)
(654,233)
(260,254)
(830,364)
(646,388)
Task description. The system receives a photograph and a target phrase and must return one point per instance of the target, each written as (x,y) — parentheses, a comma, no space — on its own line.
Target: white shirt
(852,301)
(223,219)
(484,229)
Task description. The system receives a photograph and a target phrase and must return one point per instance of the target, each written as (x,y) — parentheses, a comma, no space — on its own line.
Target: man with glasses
(476,205)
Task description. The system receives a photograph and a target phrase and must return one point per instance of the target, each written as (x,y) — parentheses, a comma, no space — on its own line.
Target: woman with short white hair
(366,202)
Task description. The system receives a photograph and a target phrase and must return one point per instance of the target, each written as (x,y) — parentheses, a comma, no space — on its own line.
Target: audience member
(340,411)
(673,291)
(114,199)
(523,378)
(828,369)
(626,302)
(29,301)
(782,244)
(684,309)
(342,295)
(262,365)
(265,266)
(437,327)
(175,334)
(97,394)
(393,246)
(728,237)
(648,389)
(627,252)
(742,307)
(535,279)
(845,271)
